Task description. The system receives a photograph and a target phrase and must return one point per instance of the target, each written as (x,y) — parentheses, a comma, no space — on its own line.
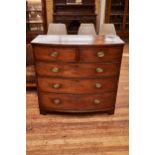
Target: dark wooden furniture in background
(35,19)
(77,73)
(30,71)
(73,13)
(35,24)
(117,12)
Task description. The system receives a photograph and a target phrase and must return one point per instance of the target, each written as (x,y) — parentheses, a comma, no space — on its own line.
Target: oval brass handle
(99,70)
(56,85)
(97,101)
(56,101)
(98,85)
(55,70)
(100,54)
(54,54)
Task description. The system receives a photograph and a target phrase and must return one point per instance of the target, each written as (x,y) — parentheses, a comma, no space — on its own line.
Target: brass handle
(98,85)
(56,86)
(100,54)
(97,101)
(56,101)
(54,54)
(55,70)
(99,70)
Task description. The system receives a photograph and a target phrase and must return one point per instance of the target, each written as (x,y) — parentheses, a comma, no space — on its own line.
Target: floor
(90,134)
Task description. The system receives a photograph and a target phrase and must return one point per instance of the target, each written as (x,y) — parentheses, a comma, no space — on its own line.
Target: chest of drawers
(77,73)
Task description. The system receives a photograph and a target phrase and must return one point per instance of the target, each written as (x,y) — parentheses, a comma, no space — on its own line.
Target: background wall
(100,9)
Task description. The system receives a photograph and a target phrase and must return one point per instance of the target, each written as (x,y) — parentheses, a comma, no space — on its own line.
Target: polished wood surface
(70,54)
(77,86)
(74,40)
(76,70)
(77,103)
(91,134)
(47,54)
(111,54)
(92,67)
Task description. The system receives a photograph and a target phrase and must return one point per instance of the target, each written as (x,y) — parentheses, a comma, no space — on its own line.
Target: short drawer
(103,54)
(82,103)
(75,70)
(54,54)
(78,86)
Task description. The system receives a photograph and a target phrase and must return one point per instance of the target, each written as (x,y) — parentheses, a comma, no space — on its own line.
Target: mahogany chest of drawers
(77,73)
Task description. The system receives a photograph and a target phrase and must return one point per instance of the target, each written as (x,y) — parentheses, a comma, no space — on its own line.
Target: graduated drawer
(102,54)
(52,101)
(78,86)
(77,70)
(55,54)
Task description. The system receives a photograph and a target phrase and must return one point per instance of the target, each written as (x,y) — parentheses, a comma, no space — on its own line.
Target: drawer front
(79,86)
(77,70)
(52,101)
(104,54)
(55,54)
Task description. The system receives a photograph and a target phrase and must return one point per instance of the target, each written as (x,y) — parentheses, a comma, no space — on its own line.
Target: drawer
(103,54)
(77,70)
(52,101)
(54,54)
(78,86)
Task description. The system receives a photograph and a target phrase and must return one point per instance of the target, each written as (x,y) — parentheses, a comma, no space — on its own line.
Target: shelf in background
(33,10)
(74,13)
(34,22)
(117,12)
(68,5)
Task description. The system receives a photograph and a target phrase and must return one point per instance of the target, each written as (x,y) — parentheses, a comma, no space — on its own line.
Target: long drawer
(77,70)
(52,101)
(77,86)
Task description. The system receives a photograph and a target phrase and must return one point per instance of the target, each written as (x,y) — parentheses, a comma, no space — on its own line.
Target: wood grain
(111,54)
(44,53)
(76,70)
(89,134)
(77,103)
(77,86)
(86,48)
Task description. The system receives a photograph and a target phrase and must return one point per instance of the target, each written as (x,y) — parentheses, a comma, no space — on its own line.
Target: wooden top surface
(77,40)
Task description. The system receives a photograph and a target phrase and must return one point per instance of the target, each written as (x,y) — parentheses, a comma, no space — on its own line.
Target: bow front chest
(77,73)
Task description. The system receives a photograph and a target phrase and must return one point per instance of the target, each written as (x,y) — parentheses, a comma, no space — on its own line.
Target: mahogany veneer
(77,73)
(82,70)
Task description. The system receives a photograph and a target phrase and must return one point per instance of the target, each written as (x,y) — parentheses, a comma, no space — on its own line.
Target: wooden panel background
(89,134)
(49,10)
